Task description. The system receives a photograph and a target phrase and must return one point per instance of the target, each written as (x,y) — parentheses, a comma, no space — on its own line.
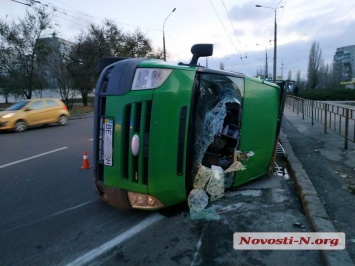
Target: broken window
(216,138)
(217,122)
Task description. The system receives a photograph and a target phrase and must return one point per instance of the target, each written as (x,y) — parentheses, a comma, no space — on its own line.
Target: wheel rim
(63,120)
(20,126)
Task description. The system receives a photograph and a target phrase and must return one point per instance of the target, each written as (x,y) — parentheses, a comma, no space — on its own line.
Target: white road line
(52,215)
(95,253)
(71,208)
(198,247)
(32,157)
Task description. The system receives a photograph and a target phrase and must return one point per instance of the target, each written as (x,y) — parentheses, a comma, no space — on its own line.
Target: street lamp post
(164,33)
(221,66)
(266,63)
(275,40)
(266,66)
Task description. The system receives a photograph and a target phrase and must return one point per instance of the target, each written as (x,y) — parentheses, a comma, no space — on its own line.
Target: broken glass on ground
(208,214)
(197,200)
(228,179)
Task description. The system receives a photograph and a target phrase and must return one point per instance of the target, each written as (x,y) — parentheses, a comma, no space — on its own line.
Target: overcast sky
(233,26)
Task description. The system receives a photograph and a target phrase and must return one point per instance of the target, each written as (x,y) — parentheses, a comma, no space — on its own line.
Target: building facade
(344,62)
(63,46)
(52,54)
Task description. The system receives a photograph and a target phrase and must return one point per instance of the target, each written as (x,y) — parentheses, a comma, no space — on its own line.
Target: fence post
(302,108)
(346,128)
(312,105)
(325,118)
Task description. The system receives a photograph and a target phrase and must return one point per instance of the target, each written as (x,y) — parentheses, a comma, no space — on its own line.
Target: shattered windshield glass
(216,140)
(218,111)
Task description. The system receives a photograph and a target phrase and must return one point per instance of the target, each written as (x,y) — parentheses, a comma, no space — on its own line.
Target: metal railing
(333,116)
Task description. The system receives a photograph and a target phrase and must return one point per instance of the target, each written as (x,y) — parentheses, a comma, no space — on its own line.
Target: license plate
(107,139)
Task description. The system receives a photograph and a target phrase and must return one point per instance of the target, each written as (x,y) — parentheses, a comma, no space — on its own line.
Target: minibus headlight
(150,78)
(143,201)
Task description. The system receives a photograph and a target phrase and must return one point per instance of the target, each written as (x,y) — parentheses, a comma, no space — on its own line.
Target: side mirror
(200,50)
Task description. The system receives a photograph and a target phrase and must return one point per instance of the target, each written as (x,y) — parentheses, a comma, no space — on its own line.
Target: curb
(315,212)
(81,117)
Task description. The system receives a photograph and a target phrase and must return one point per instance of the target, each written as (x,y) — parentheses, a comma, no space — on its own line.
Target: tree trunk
(84,96)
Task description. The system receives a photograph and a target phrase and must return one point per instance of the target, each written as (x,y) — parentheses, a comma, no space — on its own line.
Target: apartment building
(344,62)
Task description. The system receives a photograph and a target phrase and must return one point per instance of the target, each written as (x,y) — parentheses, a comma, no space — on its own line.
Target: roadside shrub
(328,94)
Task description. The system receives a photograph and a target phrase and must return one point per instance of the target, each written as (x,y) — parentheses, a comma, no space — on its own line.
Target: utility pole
(275,38)
(282,68)
(266,67)
(266,74)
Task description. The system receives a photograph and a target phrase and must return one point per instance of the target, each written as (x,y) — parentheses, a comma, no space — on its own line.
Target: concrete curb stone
(88,115)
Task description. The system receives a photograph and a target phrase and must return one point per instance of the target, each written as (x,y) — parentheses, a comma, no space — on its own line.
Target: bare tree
(298,76)
(82,68)
(5,88)
(299,81)
(136,45)
(289,75)
(57,74)
(18,49)
(324,75)
(102,41)
(157,54)
(314,63)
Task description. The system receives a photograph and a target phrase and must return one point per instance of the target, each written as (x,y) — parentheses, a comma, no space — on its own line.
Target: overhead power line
(223,25)
(229,37)
(26,4)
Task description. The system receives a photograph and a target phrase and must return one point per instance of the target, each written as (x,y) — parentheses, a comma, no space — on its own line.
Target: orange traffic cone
(86,164)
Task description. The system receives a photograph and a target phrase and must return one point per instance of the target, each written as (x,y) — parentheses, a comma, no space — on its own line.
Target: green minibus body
(157,124)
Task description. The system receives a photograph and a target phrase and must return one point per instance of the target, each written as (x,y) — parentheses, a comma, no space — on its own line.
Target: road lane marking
(32,157)
(71,208)
(95,253)
(198,247)
(53,215)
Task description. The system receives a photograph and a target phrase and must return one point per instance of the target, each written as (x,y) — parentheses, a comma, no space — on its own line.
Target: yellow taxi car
(34,112)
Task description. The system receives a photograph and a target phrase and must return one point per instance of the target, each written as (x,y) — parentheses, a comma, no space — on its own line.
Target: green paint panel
(164,181)
(116,108)
(258,131)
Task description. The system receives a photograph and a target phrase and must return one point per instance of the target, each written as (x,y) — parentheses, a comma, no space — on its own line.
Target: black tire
(20,126)
(63,120)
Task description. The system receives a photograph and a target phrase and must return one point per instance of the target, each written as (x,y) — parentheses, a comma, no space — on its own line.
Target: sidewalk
(328,153)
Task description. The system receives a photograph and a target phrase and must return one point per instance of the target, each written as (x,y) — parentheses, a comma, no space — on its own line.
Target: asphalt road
(267,204)
(50,213)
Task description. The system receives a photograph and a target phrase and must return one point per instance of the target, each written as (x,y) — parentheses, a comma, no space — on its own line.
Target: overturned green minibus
(156,124)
